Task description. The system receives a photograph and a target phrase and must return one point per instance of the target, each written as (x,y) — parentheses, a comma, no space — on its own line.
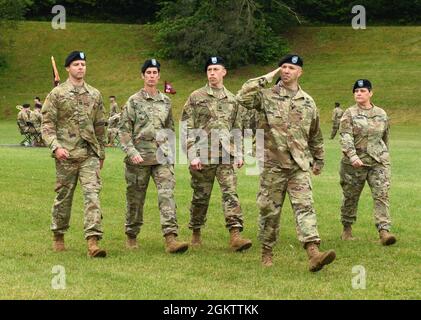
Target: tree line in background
(243,31)
(313,11)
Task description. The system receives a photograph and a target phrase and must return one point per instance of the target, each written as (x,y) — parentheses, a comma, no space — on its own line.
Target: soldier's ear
(371,93)
(142,75)
(224,72)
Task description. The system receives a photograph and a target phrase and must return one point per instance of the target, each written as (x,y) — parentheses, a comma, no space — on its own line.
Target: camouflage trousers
(67,174)
(335,128)
(137,178)
(275,182)
(353,180)
(202,183)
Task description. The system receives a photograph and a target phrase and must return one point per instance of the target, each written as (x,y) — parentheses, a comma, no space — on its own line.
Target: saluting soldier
(214,111)
(364,140)
(146,115)
(293,148)
(73,127)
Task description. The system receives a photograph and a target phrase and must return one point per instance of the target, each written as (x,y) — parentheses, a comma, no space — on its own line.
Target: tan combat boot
(237,243)
(93,250)
(267,256)
(318,259)
(131,242)
(172,245)
(58,242)
(347,233)
(196,239)
(386,238)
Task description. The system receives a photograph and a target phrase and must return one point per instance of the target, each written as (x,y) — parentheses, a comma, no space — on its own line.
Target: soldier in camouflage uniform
(113,106)
(112,129)
(214,110)
(24,122)
(364,140)
(146,115)
(36,120)
(336,119)
(73,126)
(293,146)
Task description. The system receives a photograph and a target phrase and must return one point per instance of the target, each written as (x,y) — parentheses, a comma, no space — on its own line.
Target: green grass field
(334,58)
(211,272)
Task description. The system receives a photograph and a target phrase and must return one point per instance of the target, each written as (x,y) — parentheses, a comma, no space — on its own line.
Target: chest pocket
(275,111)
(377,126)
(203,112)
(142,118)
(86,104)
(161,113)
(226,111)
(360,125)
(296,115)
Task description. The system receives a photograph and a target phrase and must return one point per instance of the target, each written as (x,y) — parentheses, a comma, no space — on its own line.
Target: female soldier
(364,131)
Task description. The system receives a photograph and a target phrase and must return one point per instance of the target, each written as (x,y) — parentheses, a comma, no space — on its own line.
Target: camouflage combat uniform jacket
(36,119)
(73,118)
(113,109)
(291,124)
(23,118)
(337,114)
(206,111)
(142,118)
(365,135)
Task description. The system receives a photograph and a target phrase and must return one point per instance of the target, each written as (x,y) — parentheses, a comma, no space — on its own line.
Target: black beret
(151,63)
(292,59)
(26,105)
(362,83)
(73,56)
(213,61)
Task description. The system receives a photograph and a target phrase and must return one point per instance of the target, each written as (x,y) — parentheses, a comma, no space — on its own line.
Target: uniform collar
(360,108)
(84,88)
(279,89)
(210,92)
(145,95)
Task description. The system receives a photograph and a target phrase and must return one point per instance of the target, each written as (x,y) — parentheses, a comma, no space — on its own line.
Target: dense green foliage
(123,11)
(315,11)
(192,30)
(378,11)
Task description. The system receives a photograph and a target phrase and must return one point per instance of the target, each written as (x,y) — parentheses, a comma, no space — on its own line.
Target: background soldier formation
(73,127)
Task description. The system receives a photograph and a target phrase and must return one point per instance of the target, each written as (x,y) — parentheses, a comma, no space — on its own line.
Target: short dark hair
(337,104)
(26,105)
(112,97)
(37,98)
